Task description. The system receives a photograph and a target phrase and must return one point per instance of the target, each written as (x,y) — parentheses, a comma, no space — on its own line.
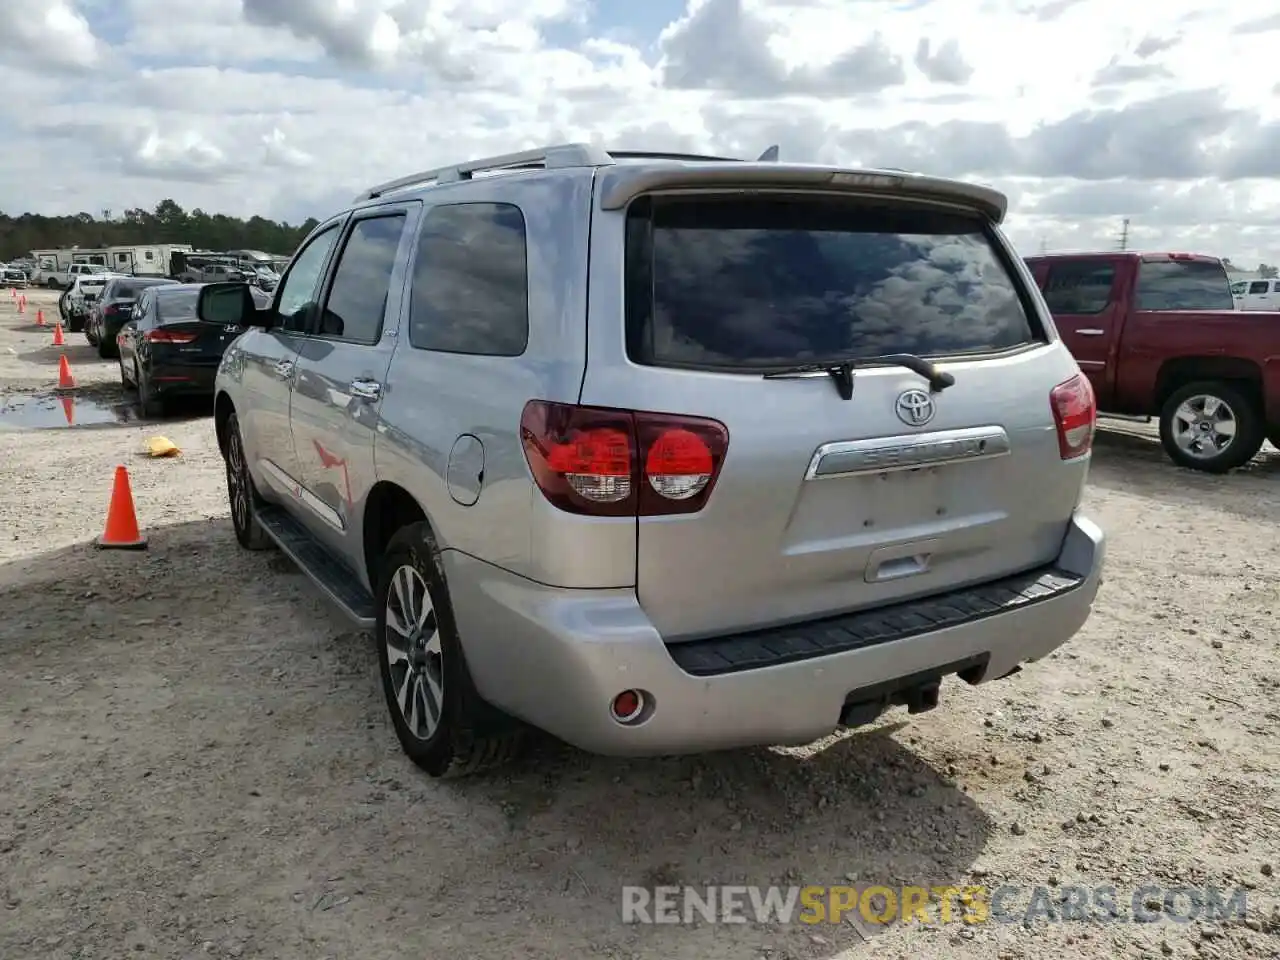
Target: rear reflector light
(1075,413)
(169,336)
(602,461)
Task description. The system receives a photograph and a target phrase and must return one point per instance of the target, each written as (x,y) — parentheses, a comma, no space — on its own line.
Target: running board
(325,570)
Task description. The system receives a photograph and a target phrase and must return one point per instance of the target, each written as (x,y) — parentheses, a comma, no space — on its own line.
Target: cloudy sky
(1083,111)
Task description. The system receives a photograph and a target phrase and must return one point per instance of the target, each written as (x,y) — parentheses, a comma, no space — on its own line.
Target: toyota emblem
(914,407)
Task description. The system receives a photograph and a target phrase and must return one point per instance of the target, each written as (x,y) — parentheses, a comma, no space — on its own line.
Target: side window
(1258,286)
(357,298)
(1079,288)
(301,284)
(471,281)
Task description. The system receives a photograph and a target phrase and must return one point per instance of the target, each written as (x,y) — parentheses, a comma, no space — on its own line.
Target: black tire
(62,311)
(1242,447)
(152,406)
(242,495)
(106,346)
(471,735)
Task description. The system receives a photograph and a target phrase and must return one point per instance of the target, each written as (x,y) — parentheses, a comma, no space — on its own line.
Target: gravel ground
(195,759)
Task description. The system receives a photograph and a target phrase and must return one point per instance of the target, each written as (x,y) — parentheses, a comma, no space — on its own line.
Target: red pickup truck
(1158,336)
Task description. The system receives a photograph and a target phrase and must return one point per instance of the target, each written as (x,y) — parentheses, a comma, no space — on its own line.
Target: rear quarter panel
(1153,339)
(433,398)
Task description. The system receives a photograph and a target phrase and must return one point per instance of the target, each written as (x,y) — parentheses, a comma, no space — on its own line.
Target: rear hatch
(830,500)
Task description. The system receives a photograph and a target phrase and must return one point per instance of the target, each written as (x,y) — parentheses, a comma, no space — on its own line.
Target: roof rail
(559,155)
(664,155)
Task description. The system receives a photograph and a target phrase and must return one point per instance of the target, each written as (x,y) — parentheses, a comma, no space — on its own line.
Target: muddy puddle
(53,411)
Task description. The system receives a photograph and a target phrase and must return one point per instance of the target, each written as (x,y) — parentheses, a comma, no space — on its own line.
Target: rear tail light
(168,336)
(602,461)
(1075,413)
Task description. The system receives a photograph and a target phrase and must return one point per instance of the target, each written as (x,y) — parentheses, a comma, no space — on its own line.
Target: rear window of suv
(731,283)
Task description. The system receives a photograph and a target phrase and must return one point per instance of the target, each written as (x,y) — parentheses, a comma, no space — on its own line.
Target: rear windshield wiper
(841,371)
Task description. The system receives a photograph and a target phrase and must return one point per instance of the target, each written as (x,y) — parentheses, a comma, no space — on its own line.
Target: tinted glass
(299,289)
(1080,287)
(129,289)
(362,282)
(733,283)
(1259,286)
(1183,285)
(471,281)
(176,306)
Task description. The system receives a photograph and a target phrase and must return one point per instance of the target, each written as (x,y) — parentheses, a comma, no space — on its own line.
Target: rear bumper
(175,379)
(556,658)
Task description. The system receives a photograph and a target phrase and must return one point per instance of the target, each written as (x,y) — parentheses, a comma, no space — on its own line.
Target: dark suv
(114,309)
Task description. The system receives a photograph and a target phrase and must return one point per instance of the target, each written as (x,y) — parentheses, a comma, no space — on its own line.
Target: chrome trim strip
(287,485)
(884,454)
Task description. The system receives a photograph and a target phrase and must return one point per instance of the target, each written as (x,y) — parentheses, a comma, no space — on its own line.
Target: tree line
(167,223)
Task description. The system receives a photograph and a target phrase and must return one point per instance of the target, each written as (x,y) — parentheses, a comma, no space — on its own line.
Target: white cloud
(1084,111)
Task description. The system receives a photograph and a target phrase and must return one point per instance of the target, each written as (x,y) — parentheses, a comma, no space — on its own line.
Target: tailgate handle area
(901,560)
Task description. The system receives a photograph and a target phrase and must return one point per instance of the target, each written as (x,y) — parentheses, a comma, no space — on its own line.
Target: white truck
(57,277)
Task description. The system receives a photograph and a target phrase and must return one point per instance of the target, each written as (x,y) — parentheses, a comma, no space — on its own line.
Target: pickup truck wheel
(241,492)
(441,721)
(1209,426)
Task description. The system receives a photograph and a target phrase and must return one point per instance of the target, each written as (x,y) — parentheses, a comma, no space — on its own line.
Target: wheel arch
(388,508)
(223,408)
(1244,375)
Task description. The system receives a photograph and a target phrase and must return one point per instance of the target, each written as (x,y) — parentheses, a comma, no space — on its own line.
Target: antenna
(1124,234)
(769,156)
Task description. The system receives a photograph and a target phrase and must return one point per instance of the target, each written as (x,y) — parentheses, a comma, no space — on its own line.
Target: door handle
(283,369)
(365,389)
(1091,332)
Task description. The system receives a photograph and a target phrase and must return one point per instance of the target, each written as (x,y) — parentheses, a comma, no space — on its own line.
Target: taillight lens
(1076,413)
(168,336)
(603,461)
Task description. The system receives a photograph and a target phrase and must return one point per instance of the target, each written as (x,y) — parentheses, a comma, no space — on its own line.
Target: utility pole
(1044,246)
(1124,234)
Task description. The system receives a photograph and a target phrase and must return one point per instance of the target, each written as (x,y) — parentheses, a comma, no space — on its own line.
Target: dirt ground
(195,759)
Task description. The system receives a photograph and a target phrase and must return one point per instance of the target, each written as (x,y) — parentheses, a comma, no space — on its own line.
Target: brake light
(1076,413)
(168,336)
(602,461)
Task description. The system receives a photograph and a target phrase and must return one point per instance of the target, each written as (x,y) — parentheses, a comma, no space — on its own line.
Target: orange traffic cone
(58,340)
(121,531)
(65,380)
(40,319)
(22,304)
(69,409)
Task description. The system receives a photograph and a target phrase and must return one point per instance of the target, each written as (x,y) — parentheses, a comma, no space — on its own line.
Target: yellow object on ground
(162,447)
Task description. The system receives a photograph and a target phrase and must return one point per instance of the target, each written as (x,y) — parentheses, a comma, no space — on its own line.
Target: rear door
(814,512)
(1083,294)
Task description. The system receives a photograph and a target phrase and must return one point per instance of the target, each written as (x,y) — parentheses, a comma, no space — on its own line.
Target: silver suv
(664,454)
